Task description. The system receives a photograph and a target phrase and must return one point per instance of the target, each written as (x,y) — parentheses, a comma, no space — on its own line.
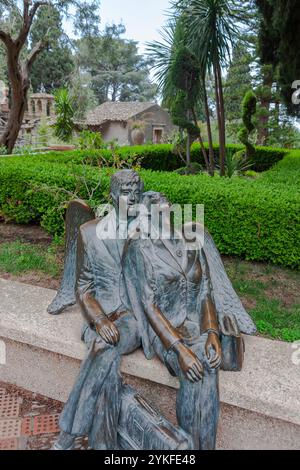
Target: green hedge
(160,157)
(256,219)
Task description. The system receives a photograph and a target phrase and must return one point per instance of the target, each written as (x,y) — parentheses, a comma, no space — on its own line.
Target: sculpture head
(152,198)
(126,186)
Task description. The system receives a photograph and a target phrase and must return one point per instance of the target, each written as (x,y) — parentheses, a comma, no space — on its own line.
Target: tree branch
(5,38)
(34,53)
(35,8)
(28,16)
(27,4)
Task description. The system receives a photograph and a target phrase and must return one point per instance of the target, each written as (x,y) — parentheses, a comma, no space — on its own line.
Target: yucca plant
(235,163)
(64,126)
(173,62)
(212,28)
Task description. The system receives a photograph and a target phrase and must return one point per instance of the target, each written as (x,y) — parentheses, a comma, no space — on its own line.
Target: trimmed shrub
(257,219)
(159,157)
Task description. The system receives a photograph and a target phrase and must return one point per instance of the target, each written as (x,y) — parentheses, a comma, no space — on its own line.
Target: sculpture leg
(197,404)
(94,403)
(198,410)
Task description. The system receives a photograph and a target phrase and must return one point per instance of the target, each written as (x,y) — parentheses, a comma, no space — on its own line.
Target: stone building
(40,107)
(117,120)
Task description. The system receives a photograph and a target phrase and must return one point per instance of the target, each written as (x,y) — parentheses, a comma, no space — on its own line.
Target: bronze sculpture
(178,313)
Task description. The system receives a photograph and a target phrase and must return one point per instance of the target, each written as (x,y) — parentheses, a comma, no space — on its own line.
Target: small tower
(40,105)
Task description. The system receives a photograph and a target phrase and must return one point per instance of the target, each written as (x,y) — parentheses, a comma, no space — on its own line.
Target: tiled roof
(116,111)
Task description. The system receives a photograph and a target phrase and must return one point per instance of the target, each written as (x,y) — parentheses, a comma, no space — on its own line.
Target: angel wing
(226,299)
(78,213)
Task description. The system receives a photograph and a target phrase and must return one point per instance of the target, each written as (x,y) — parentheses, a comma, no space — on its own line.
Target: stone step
(260,405)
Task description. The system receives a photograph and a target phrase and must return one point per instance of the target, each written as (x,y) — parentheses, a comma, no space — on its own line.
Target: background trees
(239,46)
(117,70)
(37,54)
(54,65)
(278,40)
(17,18)
(207,30)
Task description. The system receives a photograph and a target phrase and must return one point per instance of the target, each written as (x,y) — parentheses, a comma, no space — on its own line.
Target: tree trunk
(209,133)
(221,116)
(201,142)
(188,152)
(19,83)
(18,71)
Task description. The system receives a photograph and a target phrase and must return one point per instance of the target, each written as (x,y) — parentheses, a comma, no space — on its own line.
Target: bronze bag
(233,350)
(141,427)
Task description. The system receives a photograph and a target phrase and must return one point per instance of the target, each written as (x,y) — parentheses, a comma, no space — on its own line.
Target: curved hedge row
(160,157)
(256,219)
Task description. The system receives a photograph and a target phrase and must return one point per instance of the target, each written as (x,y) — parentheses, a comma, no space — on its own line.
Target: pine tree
(238,82)
(53,67)
(279,38)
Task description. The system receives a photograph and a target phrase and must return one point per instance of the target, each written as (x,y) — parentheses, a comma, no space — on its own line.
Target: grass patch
(19,257)
(271,295)
(275,321)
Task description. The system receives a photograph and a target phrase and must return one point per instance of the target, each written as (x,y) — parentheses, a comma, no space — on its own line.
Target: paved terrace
(260,405)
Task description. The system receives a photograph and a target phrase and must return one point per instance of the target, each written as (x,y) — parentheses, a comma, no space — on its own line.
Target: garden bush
(258,219)
(159,157)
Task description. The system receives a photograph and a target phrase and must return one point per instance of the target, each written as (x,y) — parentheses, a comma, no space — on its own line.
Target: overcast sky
(142,18)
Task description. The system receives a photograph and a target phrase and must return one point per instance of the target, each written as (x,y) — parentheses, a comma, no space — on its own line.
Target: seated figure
(175,302)
(170,291)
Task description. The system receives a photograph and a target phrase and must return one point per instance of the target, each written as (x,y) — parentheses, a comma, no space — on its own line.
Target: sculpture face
(126,192)
(130,195)
(151,198)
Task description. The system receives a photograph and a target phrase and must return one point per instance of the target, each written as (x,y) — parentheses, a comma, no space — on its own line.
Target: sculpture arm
(209,317)
(85,289)
(162,327)
(159,323)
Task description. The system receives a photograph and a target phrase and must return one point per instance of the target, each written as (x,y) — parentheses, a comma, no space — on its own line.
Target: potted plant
(138,133)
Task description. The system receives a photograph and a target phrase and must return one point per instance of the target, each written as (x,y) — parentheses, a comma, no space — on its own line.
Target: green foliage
(117,70)
(264,289)
(89,140)
(255,219)
(185,77)
(3,150)
(82,94)
(54,65)
(65,113)
(248,112)
(194,169)
(235,163)
(278,38)
(238,82)
(44,132)
(162,55)
(162,157)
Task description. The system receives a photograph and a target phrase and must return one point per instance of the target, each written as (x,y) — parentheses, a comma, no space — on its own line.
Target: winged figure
(177,304)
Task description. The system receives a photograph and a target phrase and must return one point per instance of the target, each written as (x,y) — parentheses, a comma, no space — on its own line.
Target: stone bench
(260,405)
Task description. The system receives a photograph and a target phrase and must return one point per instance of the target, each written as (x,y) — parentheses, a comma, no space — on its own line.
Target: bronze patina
(170,298)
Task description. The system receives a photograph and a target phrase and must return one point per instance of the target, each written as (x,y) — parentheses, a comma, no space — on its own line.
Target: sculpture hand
(189,363)
(213,350)
(229,326)
(108,331)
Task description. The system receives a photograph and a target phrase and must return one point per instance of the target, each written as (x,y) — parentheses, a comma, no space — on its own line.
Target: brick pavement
(29,421)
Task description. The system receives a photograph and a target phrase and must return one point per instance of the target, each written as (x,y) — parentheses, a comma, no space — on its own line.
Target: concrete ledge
(44,354)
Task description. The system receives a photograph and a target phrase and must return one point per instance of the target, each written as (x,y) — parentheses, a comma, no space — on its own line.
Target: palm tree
(212,29)
(164,55)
